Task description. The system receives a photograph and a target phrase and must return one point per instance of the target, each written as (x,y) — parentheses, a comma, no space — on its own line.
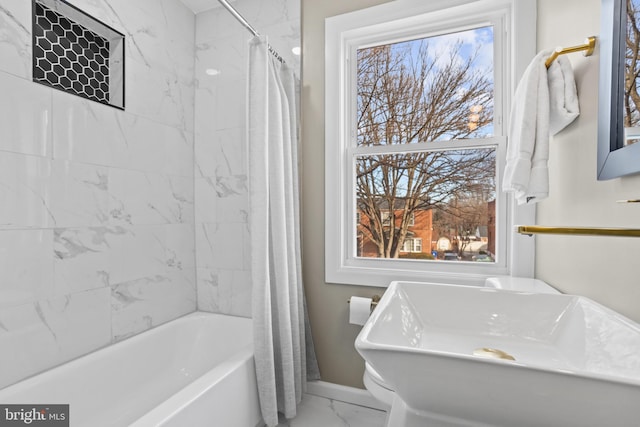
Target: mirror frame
(614,158)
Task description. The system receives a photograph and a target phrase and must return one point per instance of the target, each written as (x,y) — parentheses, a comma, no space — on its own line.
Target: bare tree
(461,218)
(632,69)
(407,95)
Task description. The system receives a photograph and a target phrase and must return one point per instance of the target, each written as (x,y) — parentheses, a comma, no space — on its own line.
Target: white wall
(96,204)
(222,205)
(598,267)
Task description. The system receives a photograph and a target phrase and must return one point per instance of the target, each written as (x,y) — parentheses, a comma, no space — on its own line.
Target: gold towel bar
(579,231)
(588,46)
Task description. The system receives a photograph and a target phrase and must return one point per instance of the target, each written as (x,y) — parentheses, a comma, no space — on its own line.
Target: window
(412,245)
(415,109)
(385,217)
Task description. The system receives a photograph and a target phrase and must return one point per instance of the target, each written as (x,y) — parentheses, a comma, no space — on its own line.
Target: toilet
(377,387)
(385,394)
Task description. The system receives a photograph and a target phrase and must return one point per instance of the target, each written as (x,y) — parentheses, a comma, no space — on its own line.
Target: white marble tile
(49,332)
(180,199)
(208,154)
(26,266)
(226,54)
(143,303)
(233,205)
(206,121)
(207,24)
(180,247)
(163,96)
(225,291)
(137,197)
(139,252)
(15,37)
(178,150)
(149,198)
(84,257)
(207,290)
(79,194)
(25,114)
(263,14)
(144,251)
(234,292)
(206,246)
(316,411)
(222,154)
(217,23)
(220,246)
(145,143)
(88,132)
(220,102)
(246,244)
(155,147)
(233,145)
(206,200)
(25,191)
(160,46)
(230,104)
(223,200)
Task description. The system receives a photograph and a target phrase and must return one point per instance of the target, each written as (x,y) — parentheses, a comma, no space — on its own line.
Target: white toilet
(377,387)
(385,394)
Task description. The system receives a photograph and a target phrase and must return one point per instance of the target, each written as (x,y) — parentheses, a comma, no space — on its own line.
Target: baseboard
(352,395)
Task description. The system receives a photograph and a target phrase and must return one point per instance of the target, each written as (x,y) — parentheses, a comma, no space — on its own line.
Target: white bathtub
(195,371)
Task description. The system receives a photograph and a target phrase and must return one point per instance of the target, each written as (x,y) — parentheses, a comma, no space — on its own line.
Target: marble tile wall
(221,196)
(97,204)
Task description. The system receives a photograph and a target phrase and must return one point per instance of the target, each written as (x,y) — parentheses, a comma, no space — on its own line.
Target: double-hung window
(412,245)
(417,100)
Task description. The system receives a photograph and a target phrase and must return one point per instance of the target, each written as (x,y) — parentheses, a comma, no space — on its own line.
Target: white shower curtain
(278,304)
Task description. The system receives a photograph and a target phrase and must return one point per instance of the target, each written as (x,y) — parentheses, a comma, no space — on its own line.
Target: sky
(474,40)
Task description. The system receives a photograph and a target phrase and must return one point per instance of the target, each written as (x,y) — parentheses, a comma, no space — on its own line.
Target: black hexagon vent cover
(76,53)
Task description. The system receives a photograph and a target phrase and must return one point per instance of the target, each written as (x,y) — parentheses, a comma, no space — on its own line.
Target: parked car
(451,256)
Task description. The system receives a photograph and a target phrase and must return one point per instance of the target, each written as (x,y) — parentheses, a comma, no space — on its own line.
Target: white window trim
(343,32)
(412,242)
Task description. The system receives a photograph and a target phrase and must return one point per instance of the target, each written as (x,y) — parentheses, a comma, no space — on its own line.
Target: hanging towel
(563,96)
(545,103)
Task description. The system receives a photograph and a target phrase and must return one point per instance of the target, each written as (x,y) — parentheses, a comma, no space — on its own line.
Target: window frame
(403,20)
(413,241)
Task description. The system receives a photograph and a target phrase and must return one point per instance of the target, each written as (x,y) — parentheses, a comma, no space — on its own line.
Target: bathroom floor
(317,411)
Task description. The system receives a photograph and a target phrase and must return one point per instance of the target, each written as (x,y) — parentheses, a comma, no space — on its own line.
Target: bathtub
(194,371)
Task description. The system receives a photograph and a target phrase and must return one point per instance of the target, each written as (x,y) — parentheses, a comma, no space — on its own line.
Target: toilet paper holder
(374,301)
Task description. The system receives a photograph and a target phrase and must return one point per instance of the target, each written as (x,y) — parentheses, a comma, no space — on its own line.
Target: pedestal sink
(468,356)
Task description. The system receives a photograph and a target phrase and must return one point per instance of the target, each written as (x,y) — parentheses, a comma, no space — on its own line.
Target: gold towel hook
(588,47)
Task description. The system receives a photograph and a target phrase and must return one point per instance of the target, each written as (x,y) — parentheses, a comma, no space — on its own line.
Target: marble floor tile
(317,411)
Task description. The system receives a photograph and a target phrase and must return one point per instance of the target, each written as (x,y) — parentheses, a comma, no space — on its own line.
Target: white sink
(576,363)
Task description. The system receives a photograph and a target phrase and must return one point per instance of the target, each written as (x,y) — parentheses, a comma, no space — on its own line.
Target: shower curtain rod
(248,26)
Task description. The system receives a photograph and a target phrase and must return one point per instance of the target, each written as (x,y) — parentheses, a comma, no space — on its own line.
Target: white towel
(545,102)
(563,96)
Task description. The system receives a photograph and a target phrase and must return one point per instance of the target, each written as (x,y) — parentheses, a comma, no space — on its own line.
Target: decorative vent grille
(75,53)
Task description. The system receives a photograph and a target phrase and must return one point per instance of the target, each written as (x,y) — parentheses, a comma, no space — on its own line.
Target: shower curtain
(277,301)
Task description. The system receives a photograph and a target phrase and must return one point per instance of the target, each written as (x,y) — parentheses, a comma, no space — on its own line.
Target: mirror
(619,96)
